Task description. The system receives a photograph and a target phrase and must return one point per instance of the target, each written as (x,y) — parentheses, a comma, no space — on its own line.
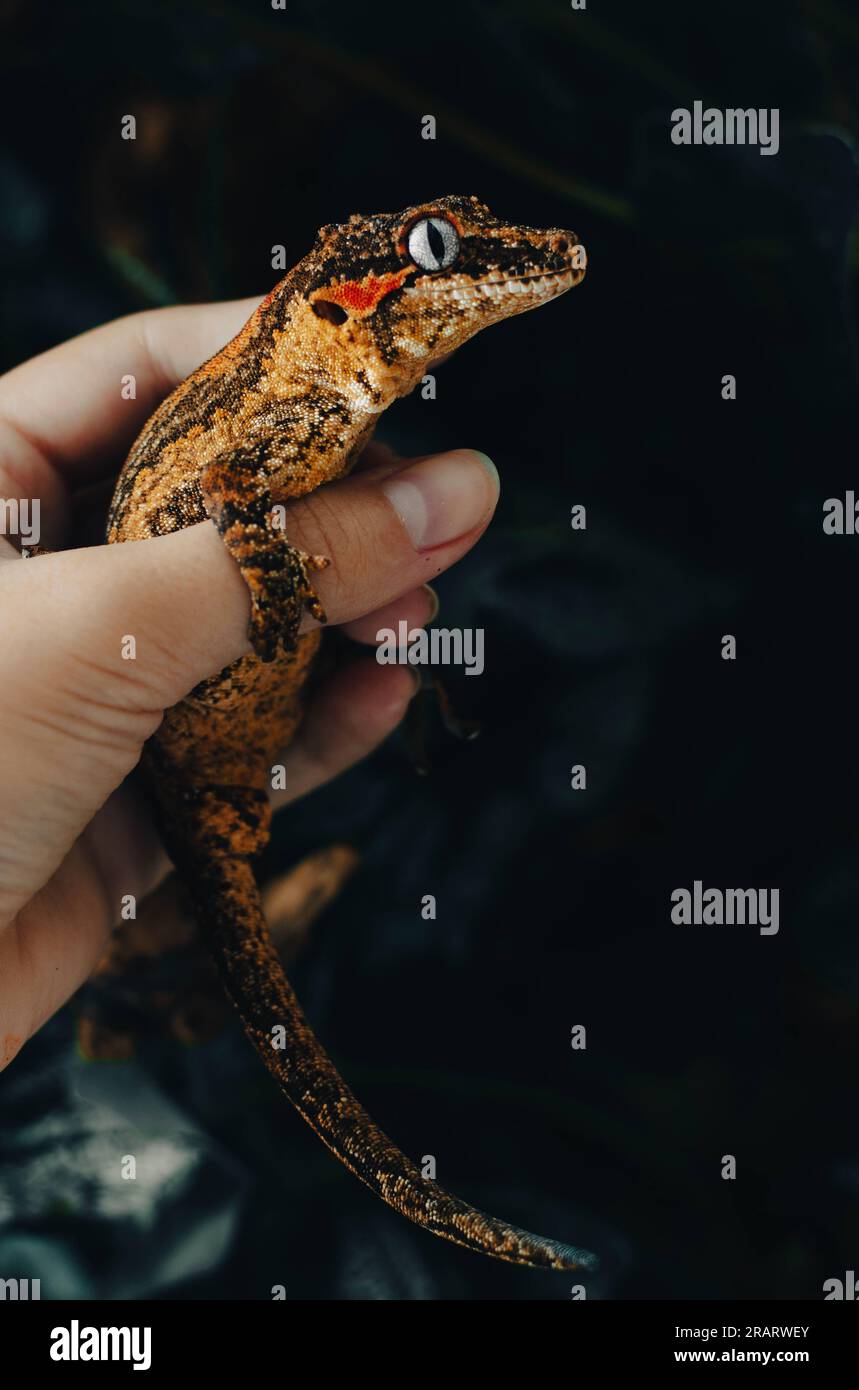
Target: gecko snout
(560,250)
(568,247)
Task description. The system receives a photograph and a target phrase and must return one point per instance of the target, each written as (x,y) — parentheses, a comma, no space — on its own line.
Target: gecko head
(400,289)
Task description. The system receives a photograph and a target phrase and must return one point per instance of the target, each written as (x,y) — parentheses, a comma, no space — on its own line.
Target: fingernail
(433,601)
(442,498)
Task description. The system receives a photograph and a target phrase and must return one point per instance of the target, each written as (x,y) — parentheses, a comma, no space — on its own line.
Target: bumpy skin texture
(283,408)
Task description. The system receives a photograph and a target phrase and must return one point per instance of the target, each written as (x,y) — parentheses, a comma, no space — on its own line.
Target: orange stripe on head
(361,297)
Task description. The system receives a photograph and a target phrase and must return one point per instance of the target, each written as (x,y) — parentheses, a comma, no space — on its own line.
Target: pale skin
(74,835)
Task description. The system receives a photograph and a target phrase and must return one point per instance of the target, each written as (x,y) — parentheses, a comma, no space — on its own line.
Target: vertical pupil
(435,241)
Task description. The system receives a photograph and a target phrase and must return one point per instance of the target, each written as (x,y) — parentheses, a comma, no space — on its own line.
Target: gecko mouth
(534,277)
(528,275)
(511,284)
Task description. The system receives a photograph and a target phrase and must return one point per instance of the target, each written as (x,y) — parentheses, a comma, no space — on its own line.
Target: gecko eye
(433,243)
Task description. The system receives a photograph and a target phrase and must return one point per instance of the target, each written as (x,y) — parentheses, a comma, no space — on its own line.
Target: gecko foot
(279,595)
(278,576)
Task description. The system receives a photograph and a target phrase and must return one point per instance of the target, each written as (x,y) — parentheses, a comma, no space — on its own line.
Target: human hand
(74,834)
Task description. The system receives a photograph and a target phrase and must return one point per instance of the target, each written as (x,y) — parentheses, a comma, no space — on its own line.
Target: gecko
(284,408)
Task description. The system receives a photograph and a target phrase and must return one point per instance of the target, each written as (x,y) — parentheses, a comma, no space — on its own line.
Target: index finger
(65,412)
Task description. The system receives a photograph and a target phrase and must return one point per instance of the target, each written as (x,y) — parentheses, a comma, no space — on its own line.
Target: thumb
(125,631)
(142,622)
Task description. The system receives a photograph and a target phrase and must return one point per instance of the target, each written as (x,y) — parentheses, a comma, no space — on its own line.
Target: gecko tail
(228,906)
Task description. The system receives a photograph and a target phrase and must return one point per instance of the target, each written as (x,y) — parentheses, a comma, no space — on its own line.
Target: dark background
(602,647)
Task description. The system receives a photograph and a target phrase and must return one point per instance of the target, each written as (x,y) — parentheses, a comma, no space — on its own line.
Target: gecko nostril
(561,245)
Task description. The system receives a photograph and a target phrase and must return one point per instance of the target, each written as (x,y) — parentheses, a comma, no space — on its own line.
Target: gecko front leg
(237,498)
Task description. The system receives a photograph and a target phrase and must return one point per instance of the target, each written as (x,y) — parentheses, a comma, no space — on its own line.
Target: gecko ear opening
(327,309)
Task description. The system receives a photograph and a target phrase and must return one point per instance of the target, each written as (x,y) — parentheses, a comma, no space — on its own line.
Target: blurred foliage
(256,126)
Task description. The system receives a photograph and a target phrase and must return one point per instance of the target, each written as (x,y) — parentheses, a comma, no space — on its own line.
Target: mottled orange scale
(234,349)
(362,296)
